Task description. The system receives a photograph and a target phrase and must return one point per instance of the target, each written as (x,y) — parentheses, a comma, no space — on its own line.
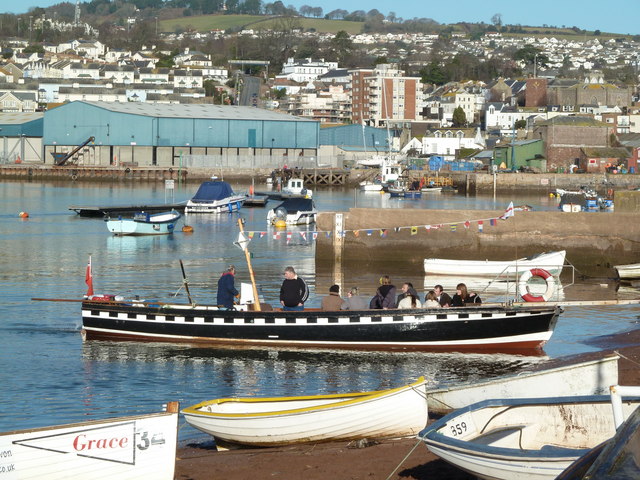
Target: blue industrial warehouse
(198,135)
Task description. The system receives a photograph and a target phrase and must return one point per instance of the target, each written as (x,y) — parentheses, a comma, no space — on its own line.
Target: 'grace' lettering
(82,443)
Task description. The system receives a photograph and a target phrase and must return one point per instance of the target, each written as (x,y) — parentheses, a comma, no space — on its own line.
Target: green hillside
(203,23)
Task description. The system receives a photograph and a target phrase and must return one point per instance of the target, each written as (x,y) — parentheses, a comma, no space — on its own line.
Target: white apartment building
(305,70)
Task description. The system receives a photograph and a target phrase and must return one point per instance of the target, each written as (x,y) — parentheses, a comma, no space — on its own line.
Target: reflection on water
(193,374)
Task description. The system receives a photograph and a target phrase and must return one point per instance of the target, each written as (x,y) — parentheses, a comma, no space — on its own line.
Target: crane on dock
(60,158)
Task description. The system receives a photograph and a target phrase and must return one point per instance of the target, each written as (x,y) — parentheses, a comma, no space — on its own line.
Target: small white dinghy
(265,422)
(628,272)
(144,223)
(552,262)
(524,439)
(589,377)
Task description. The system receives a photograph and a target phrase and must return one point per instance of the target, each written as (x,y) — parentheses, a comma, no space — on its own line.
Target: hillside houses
(381,96)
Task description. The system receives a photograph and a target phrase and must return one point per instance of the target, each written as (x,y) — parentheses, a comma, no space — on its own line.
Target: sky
(616,17)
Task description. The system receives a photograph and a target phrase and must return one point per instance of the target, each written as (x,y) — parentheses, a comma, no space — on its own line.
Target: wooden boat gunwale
(353,398)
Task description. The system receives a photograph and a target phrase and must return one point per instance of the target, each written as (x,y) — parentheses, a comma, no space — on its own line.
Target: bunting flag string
(384,232)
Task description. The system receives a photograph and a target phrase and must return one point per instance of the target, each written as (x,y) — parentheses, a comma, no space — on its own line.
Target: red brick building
(564,138)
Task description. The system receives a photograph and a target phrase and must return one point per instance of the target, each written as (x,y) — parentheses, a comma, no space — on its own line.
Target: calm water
(49,376)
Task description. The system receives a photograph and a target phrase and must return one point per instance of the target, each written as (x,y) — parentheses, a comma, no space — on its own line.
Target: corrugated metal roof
(221,112)
(17,118)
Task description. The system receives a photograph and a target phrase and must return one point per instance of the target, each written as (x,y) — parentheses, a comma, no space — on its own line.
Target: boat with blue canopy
(215,196)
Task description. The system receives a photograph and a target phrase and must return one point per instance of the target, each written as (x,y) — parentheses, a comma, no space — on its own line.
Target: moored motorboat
(215,196)
(552,262)
(295,189)
(273,421)
(144,223)
(294,211)
(523,438)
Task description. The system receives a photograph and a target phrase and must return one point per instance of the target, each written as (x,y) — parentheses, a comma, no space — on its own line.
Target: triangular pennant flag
(262,234)
(454,228)
(480,226)
(397,229)
(303,235)
(314,235)
(509,212)
(383,233)
(276,236)
(492,222)
(328,234)
(356,233)
(343,233)
(467,224)
(243,242)
(414,230)
(288,237)
(251,235)
(369,232)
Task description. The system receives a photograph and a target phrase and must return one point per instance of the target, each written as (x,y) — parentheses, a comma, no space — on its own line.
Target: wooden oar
(186,284)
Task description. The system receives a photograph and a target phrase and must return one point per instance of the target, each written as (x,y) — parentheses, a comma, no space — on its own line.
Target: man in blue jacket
(226,288)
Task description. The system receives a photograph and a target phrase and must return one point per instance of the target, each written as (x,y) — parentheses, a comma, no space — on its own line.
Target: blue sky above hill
(584,14)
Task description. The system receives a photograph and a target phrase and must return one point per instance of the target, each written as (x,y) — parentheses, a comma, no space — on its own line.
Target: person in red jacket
(226,288)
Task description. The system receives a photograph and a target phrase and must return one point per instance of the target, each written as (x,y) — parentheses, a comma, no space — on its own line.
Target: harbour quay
(376,239)
(464,182)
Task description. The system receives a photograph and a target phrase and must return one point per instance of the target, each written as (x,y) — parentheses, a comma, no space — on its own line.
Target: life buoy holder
(524,287)
(74,177)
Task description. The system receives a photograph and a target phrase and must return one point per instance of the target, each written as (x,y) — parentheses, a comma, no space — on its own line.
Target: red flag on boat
(88,278)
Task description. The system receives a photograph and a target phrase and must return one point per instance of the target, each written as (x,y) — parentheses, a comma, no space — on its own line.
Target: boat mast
(247,254)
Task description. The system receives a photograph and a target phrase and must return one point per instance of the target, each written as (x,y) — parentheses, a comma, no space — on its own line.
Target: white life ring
(524,287)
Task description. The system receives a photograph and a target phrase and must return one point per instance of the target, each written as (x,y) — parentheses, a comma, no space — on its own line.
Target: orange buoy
(23,215)
(187,229)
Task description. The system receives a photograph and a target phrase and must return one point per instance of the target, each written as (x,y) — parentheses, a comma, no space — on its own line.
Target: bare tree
(497,19)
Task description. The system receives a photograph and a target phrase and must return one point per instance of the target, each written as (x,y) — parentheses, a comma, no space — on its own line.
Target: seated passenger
(407,288)
(431,300)
(354,301)
(463,298)
(385,296)
(410,301)
(333,301)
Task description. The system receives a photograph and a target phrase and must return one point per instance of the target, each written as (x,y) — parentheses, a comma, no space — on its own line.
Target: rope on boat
(404,459)
(625,357)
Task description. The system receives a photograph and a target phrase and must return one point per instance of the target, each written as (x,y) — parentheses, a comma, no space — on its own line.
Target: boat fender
(74,177)
(127,170)
(524,287)
(170,170)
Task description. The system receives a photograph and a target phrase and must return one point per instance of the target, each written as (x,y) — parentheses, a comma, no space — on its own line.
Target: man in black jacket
(294,291)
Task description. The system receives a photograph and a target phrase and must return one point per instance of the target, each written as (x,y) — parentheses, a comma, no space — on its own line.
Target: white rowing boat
(552,262)
(628,272)
(123,448)
(263,422)
(591,377)
(525,439)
